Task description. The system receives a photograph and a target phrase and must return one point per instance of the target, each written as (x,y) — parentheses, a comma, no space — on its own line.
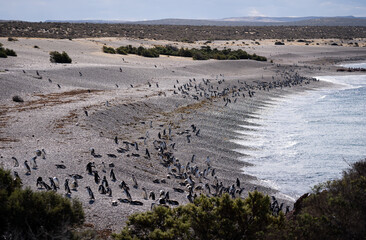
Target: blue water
(309,138)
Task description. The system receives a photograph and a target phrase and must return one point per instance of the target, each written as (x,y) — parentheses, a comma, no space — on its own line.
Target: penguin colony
(189,179)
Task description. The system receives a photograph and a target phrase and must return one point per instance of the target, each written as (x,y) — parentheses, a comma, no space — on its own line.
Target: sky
(132,10)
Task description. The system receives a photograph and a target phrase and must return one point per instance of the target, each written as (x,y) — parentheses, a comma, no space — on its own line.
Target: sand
(115,92)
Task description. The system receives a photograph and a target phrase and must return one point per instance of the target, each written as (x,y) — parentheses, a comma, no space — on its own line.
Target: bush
(109,50)
(10,52)
(279,43)
(57,57)
(25,214)
(16,98)
(10,39)
(199,56)
(121,50)
(152,53)
(204,53)
(35,46)
(207,218)
(4,53)
(335,210)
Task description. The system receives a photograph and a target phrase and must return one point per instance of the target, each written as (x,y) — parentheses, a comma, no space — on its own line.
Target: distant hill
(241,21)
(262,21)
(87,21)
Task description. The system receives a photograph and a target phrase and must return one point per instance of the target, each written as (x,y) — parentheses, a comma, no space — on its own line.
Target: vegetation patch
(57,57)
(11,39)
(25,214)
(5,52)
(205,53)
(206,218)
(109,50)
(16,98)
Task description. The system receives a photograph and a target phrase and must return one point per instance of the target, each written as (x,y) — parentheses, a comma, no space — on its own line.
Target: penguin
(89,168)
(128,195)
(104,167)
(134,181)
(46,186)
(123,185)
(144,194)
(39,182)
(34,163)
(67,187)
(109,191)
(53,185)
(17,178)
(96,177)
(27,167)
(43,154)
(56,181)
(74,184)
(147,153)
(188,138)
(16,163)
(101,189)
(91,195)
(112,175)
(152,196)
(105,182)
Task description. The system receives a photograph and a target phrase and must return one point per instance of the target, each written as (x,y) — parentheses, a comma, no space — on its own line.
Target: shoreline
(335,86)
(54,118)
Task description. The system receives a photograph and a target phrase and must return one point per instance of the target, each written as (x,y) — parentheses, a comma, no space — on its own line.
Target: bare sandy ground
(70,108)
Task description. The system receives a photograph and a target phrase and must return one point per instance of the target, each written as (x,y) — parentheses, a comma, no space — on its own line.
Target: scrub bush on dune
(25,214)
(57,57)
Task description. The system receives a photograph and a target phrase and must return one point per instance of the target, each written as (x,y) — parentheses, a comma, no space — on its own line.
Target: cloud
(255,13)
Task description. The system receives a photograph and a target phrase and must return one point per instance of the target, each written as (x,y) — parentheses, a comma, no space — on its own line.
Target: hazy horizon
(42,10)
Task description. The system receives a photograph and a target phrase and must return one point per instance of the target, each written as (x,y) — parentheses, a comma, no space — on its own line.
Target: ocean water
(309,138)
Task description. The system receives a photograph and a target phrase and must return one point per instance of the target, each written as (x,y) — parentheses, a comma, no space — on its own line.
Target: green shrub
(2,53)
(206,218)
(204,53)
(200,56)
(335,210)
(10,39)
(25,214)
(109,50)
(121,50)
(57,57)
(10,52)
(152,53)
